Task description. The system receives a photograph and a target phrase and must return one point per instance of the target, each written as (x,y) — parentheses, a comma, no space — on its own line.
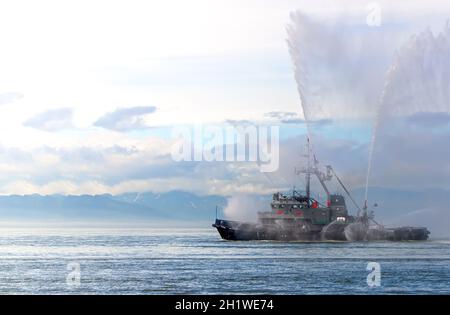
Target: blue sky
(90,90)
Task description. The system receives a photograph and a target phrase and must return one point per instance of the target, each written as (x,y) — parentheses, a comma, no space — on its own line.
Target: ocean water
(197,261)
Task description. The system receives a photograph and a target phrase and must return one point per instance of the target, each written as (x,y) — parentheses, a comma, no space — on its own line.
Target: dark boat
(299,217)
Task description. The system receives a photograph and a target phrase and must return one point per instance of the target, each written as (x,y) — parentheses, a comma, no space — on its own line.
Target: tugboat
(299,217)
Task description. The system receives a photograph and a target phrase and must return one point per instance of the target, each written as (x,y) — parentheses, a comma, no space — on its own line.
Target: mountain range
(429,207)
(173,205)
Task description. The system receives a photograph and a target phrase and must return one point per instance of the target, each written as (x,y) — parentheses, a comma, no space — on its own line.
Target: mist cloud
(419,78)
(340,64)
(245,207)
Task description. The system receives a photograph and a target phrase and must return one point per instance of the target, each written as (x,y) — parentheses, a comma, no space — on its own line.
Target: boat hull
(238,231)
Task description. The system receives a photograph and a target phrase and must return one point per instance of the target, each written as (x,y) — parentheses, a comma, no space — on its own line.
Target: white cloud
(197,61)
(51,120)
(9,97)
(126,119)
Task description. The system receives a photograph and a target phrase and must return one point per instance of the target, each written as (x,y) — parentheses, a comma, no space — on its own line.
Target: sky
(89,90)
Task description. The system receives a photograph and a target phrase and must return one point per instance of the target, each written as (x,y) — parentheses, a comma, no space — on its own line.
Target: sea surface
(197,261)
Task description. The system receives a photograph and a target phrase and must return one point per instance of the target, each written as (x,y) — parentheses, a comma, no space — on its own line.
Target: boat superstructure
(299,217)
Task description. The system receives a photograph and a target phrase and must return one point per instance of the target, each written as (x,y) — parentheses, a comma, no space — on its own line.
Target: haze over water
(197,261)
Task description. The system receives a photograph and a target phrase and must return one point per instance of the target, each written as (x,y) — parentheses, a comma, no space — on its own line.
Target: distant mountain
(176,204)
(133,206)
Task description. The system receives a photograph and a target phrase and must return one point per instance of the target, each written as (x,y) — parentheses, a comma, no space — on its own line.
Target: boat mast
(308,173)
(313,170)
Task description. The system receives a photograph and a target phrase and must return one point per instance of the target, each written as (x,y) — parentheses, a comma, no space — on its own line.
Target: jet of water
(418,81)
(334,80)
